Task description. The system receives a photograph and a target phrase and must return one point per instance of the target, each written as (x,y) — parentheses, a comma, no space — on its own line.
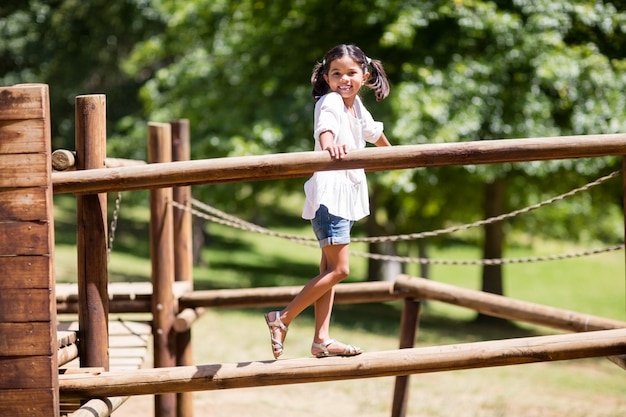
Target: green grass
(235,259)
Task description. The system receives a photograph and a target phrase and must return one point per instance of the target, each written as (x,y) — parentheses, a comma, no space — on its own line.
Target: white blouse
(343,192)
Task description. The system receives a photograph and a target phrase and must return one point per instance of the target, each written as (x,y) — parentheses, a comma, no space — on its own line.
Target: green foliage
(76,47)
(239,71)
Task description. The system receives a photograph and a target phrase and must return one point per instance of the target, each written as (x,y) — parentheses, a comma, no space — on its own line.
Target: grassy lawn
(235,259)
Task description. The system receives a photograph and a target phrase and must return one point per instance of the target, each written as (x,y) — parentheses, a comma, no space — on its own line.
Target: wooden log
(66,354)
(91,235)
(28,360)
(28,403)
(162,260)
(367,365)
(504,307)
(62,160)
(24,238)
(183,260)
(300,164)
(23,204)
(21,136)
(408,331)
(25,372)
(26,305)
(123,162)
(115,306)
(19,172)
(185,319)
(348,293)
(25,272)
(99,407)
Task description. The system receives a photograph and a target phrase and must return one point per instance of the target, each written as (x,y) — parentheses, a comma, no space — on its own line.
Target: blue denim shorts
(330,229)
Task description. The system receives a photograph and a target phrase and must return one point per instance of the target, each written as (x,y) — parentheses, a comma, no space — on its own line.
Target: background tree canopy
(460,70)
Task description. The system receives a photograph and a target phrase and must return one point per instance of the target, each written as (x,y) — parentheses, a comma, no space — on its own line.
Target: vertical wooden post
(162,260)
(29,383)
(624,207)
(183,254)
(91,236)
(408,331)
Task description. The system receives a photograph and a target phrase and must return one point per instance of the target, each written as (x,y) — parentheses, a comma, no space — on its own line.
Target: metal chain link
(113,228)
(220,217)
(495,219)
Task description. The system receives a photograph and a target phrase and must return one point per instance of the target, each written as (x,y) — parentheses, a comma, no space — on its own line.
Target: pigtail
(320,87)
(378,79)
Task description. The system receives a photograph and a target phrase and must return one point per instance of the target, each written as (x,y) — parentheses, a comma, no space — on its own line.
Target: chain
(214,215)
(116,214)
(495,261)
(422,235)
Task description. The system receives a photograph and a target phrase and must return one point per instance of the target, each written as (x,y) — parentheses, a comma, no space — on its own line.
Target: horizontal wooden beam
(300,164)
(366,365)
(504,307)
(345,293)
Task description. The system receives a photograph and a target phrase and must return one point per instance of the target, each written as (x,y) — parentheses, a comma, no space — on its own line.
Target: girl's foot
(333,347)
(278,332)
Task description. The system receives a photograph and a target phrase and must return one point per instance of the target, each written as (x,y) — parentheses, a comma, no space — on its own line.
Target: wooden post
(183,254)
(91,236)
(162,260)
(408,331)
(29,383)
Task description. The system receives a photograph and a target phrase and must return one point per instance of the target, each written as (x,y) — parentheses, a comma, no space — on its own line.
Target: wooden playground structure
(33,349)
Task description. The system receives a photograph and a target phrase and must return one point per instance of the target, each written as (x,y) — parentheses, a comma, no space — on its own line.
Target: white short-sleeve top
(343,192)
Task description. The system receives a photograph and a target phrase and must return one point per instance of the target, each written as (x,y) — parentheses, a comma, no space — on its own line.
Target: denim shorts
(330,229)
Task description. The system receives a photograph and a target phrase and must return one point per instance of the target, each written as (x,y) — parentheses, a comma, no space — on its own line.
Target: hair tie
(324,62)
(368,59)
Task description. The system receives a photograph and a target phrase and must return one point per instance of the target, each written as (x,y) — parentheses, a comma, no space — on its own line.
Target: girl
(335,199)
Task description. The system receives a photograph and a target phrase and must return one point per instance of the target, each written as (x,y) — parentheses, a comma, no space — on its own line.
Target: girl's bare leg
(335,258)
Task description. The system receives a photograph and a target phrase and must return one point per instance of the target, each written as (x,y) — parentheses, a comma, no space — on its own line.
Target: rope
(220,217)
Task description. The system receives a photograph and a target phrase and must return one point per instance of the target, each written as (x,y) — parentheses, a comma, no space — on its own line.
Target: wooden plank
(367,365)
(25,339)
(19,170)
(24,271)
(27,238)
(23,204)
(25,372)
(66,337)
(25,305)
(28,403)
(25,101)
(22,136)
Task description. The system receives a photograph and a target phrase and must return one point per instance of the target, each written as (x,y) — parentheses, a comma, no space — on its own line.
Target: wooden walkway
(129,347)
(130,341)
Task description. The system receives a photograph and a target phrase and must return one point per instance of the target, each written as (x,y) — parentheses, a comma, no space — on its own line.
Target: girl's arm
(328,144)
(382,141)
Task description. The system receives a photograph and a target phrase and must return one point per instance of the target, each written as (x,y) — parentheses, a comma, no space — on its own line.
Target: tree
(76,48)
(490,70)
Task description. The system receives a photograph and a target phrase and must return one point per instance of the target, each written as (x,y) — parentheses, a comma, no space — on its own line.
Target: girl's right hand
(337,151)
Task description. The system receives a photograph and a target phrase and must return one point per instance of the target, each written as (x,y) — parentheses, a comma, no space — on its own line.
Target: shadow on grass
(433,329)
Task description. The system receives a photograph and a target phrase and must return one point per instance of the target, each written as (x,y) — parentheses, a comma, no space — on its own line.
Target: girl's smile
(345,77)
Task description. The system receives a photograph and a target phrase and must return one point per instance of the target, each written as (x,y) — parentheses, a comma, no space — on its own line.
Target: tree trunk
(493,242)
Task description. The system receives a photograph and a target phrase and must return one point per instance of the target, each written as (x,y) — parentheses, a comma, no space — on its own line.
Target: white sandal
(349,350)
(277,345)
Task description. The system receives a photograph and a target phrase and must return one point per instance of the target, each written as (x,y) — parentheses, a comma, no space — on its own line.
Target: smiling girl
(335,199)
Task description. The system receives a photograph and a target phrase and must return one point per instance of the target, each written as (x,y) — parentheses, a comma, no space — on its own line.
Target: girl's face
(346,77)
